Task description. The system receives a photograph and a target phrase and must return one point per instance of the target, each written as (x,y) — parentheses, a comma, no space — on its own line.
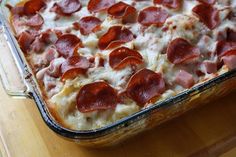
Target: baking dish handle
(11,77)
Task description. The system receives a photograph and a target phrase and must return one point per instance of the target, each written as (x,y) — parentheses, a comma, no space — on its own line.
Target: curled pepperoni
(31,7)
(145,87)
(67,7)
(114,37)
(152,16)
(89,24)
(99,5)
(25,40)
(123,11)
(74,66)
(180,51)
(207,1)
(96,96)
(123,56)
(231,35)
(67,44)
(35,21)
(225,48)
(17,10)
(174,4)
(207,15)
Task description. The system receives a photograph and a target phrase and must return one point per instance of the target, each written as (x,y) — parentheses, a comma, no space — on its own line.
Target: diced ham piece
(96,96)
(123,11)
(99,5)
(207,15)
(37,46)
(174,4)
(230,61)
(114,37)
(184,79)
(54,68)
(145,86)
(209,66)
(153,16)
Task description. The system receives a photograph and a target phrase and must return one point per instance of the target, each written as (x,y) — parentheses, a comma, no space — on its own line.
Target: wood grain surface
(206,131)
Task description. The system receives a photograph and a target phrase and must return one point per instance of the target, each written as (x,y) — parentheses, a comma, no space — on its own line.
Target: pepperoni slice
(96,96)
(35,21)
(207,15)
(174,4)
(67,7)
(74,66)
(181,51)
(231,35)
(89,24)
(31,7)
(25,40)
(123,56)
(207,1)
(145,87)
(225,48)
(99,5)
(114,37)
(123,11)
(16,10)
(152,16)
(67,44)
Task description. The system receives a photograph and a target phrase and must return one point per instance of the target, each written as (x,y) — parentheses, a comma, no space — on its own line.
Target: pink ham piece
(35,21)
(207,15)
(152,16)
(74,66)
(123,56)
(54,68)
(180,51)
(67,7)
(230,61)
(114,37)
(145,86)
(96,96)
(173,4)
(95,6)
(209,67)
(184,79)
(37,46)
(89,24)
(123,11)
(67,44)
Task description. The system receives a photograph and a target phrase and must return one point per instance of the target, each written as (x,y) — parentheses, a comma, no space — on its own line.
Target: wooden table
(206,131)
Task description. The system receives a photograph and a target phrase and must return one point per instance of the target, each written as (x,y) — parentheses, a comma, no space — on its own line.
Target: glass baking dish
(19,81)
